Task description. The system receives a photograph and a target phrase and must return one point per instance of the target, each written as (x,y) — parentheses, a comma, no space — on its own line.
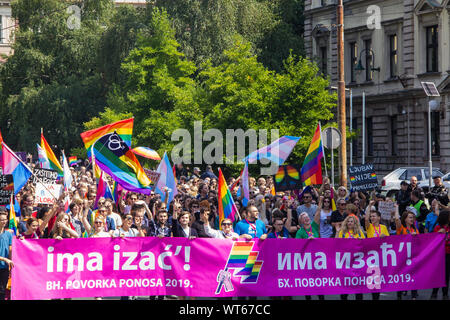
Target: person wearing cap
(403,196)
(195,174)
(438,192)
(208,174)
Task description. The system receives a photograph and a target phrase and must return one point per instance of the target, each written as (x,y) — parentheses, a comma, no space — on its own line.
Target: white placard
(45,194)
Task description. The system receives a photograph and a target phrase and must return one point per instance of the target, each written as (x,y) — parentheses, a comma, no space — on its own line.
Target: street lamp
(432,106)
(359,66)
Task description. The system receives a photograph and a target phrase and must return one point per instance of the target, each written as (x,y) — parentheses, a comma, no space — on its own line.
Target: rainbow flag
(146,153)
(278,151)
(12,225)
(312,169)
(72,161)
(103,190)
(13,165)
(124,128)
(54,163)
(227,208)
(43,160)
(114,157)
(244,260)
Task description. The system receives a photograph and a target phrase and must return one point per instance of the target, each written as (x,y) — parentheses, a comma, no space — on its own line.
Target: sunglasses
(98,222)
(226,224)
(129,218)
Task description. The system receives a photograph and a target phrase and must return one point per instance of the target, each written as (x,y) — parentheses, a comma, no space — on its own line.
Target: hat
(412,210)
(196,169)
(404,183)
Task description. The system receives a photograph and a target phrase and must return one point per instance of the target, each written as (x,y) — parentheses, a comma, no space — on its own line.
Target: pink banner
(46,269)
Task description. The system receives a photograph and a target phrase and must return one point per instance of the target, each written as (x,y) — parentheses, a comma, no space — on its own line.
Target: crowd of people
(312,212)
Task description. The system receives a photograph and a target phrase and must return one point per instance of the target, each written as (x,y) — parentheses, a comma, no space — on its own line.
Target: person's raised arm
(398,223)
(367,214)
(318,211)
(84,216)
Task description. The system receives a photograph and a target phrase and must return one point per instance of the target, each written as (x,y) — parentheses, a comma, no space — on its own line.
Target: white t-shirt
(117,219)
(101,234)
(132,232)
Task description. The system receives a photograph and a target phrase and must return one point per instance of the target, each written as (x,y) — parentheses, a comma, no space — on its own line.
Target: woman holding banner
(374,229)
(62,229)
(351,229)
(406,225)
(443,227)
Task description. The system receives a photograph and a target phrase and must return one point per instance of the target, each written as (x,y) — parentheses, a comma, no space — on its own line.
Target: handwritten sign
(363,177)
(386,208)
(44,176)
(47,193)
(6,188)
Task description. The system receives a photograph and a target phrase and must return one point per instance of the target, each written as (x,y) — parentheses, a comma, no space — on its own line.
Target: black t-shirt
(336,216)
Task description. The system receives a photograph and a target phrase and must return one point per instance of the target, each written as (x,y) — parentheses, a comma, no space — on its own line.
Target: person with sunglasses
(225,233)
(307,205)
(338,216)
(251,227)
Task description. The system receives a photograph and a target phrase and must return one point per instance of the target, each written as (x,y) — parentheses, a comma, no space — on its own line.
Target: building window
(369,135)
(394,136)
(393,55)
(435,128)
(323,60)
(1,29)
(432,48)
(368,59)
(353,60)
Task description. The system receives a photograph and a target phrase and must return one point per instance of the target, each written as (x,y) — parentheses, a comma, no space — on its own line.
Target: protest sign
(6,188)
(47,193)
(44,176)
(152,175)
(363,177)
(386,208)
(147,266)
(288,177)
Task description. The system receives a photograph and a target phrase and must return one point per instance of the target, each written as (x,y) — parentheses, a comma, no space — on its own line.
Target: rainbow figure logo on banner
(245,264)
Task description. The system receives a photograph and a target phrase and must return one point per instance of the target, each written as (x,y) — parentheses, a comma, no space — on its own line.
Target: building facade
(390,47)
(7,25)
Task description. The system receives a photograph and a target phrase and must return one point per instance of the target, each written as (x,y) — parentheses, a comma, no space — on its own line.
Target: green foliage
(52,80)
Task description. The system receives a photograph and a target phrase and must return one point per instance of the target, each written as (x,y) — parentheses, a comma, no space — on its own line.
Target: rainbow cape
(54,163)
(227,208)
(312,169)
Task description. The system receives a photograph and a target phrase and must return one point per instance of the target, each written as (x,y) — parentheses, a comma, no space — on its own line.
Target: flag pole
(323,150)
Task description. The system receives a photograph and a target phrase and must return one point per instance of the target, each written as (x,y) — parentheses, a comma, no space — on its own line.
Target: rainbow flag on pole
(312,169)
(227,208)
(54,163)
(12,225)
(72,161)
(124,128)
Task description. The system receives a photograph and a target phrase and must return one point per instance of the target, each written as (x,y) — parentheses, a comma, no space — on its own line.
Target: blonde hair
(356,228)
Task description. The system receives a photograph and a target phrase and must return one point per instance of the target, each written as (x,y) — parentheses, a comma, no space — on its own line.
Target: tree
(52,80)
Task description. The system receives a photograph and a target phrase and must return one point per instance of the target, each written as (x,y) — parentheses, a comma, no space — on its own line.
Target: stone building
(7,25)
(399,44)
